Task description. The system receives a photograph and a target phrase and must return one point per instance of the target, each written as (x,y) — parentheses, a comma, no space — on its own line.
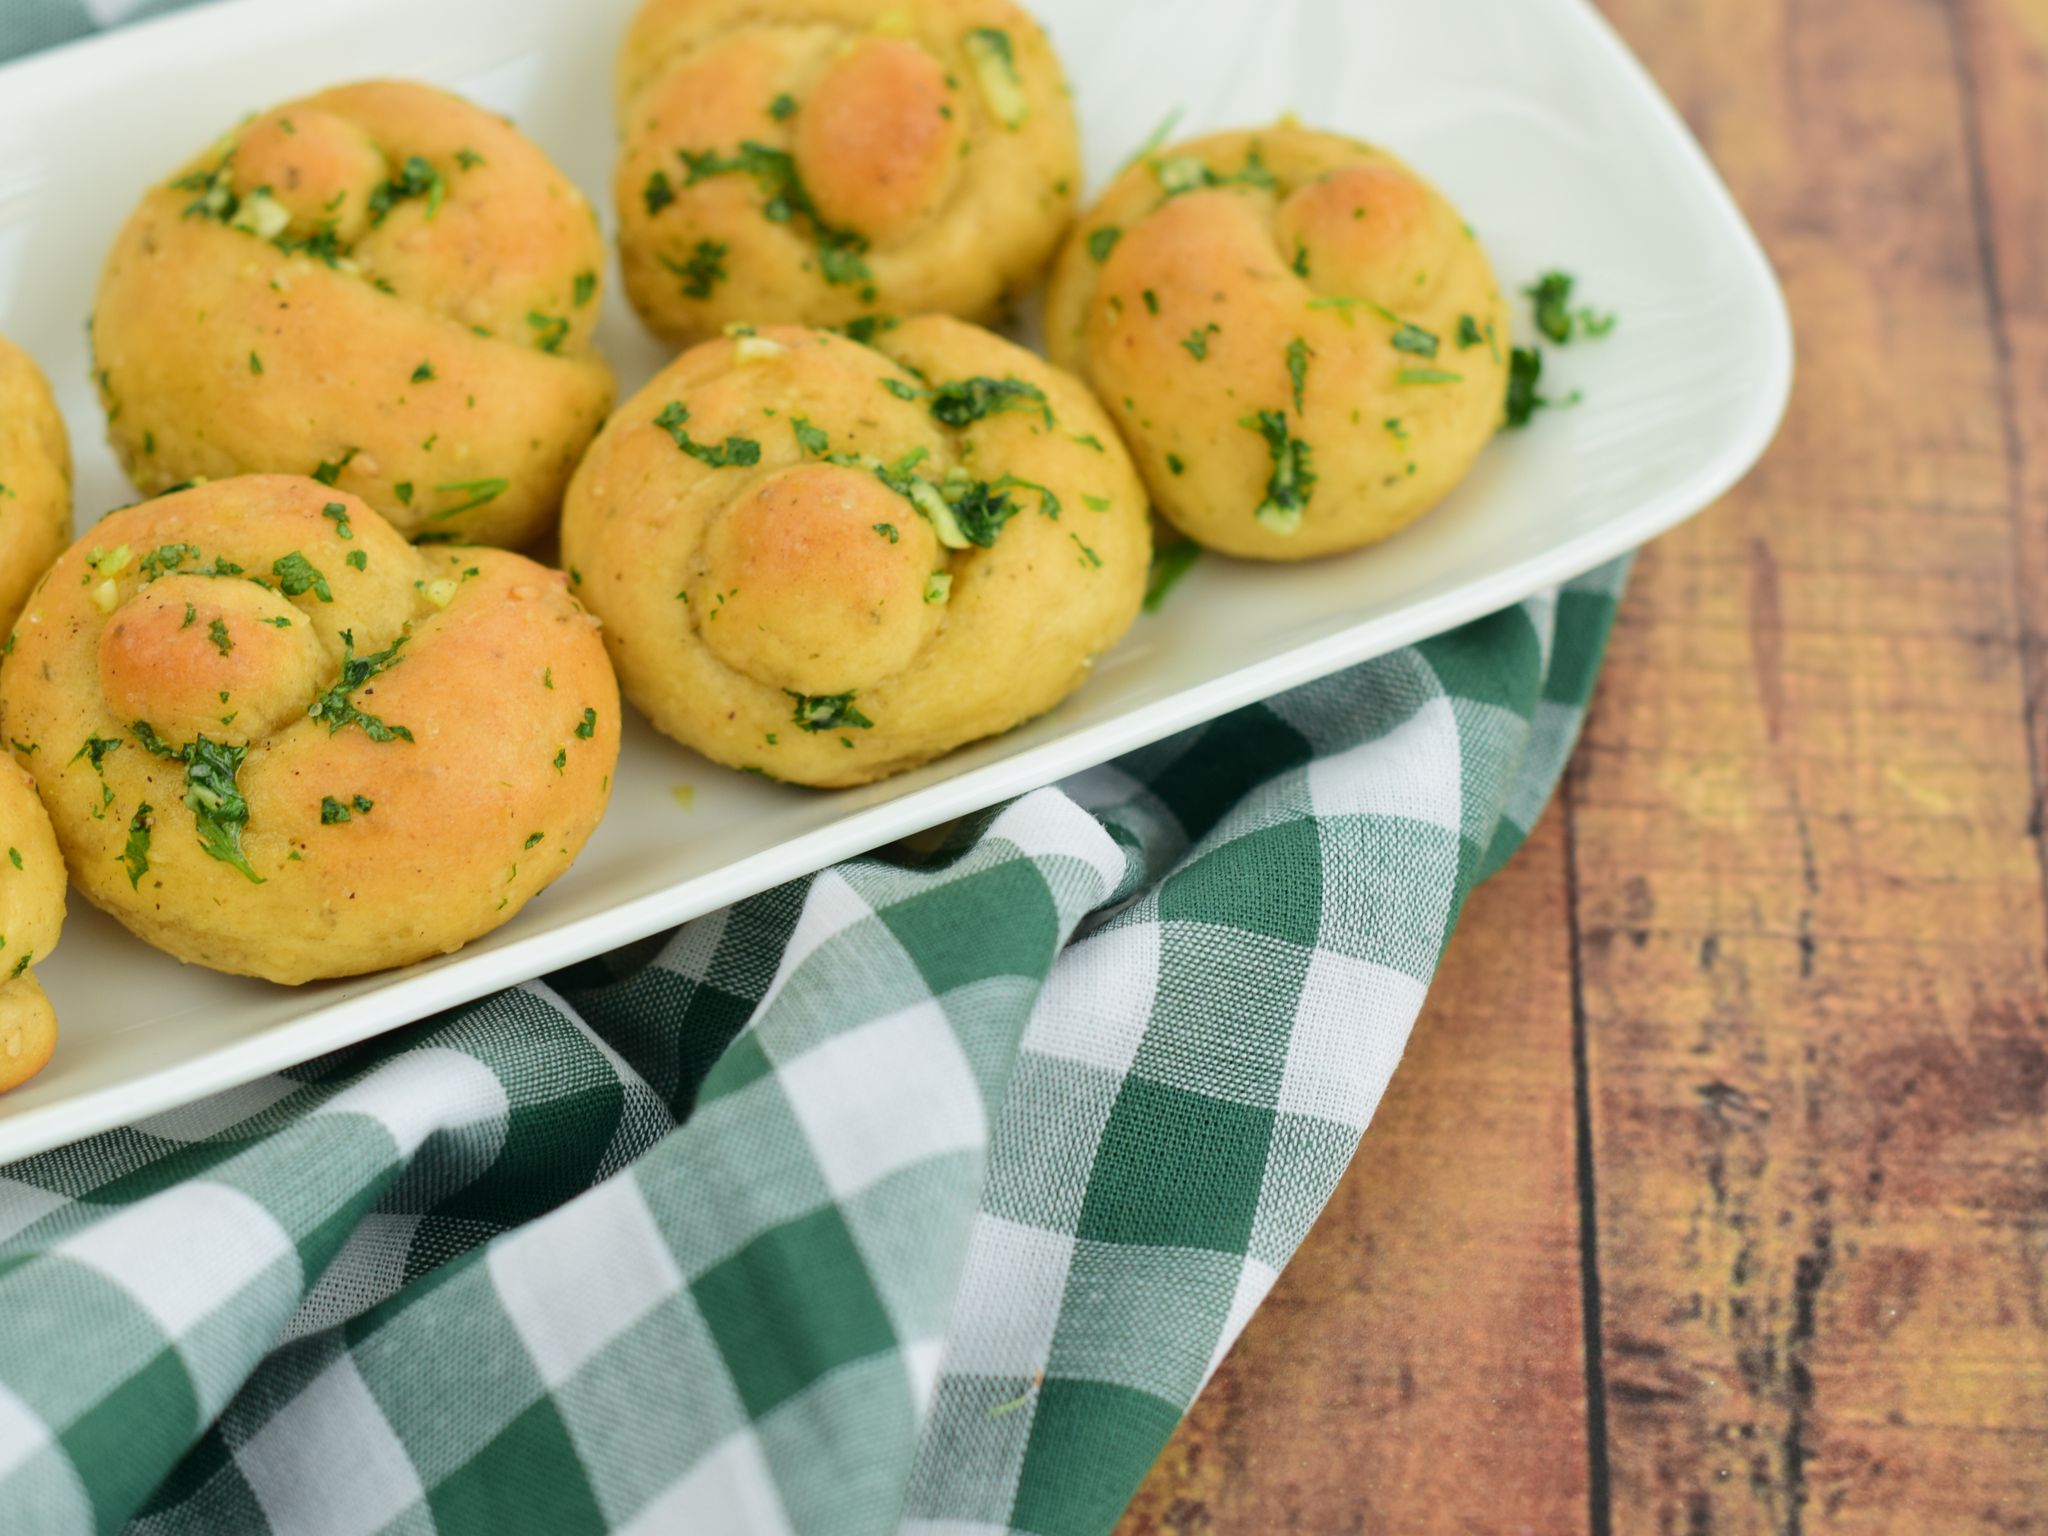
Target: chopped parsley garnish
(1298,355)
(1525,374)
(468,158)
(1469,334)
(938,586)
(581,287)
(965,401)
(424,374)
(416,178)
(782,107)
(359,559)
(1103,241)
(995,71)
(809,438)
(587,726)
(14,857)
(561,759)
(1090,440)
(1413,339)
(329,471)
(333,812)
(704,271)
(1428,376)
(474,493)
(1552,296)
(403,490)
(658,193)
(1292,481)
(534,839)
(775,172)
(166,558)
(1197,341)
(1300,263)
(223,642)
(255,363)
(337,513)
(549,331)
(136,854)
(867,327)
(335,707)
(887,531)
(827,712)
(1175,464)
(296,574)
(1177,174)
(735,452)
(981,512)
(1151,302)
(216,803)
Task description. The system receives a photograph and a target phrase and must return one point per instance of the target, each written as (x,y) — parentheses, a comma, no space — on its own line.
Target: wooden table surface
(1712,1196)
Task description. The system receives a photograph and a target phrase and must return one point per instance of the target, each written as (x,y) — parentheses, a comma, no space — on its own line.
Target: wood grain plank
(1809,893)
(1418,1367)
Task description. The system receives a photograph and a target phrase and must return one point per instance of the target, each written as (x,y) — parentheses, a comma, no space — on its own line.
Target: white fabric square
(184,1253)
(216,1112)
(414,1095)
(1254,1280)
(1351,1024)
(327,1463)
(884,1096)
(1047,822)
(577,1278)
(23,1205)
(1009,1301)
(831,906)
(22,1432)
(729,1489)
(950,1528)
(921,1361)
(1411,772)
(1098,1000)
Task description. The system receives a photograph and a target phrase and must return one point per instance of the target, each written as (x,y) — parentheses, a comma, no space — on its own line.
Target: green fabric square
(1495,660)
(1176,1170)
(1091,1444)
(1245,981)
(1268,881)
(527,1478)
(141,1426)
(995,922)
(1584,620)
(744,1062)
(1210,775)
(790,1306)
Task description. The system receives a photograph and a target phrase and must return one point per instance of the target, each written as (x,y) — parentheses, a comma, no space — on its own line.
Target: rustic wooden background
(1713,1194)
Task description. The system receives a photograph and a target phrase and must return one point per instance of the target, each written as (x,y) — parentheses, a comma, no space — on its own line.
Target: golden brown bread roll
(818,161)
(829,562)
(381,285)
(1301,340)
(278,740)
(35,479)
(31,914)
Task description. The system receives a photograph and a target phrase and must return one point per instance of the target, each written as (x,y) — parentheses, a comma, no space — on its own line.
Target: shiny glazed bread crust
(786,586)
(1301,340)
(276,739)
(383,279)
(816,161)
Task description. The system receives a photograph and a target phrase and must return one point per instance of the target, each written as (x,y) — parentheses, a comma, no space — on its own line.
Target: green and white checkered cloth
(919,1195)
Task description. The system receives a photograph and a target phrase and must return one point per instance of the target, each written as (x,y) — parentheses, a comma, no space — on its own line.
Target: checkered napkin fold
(922,1194)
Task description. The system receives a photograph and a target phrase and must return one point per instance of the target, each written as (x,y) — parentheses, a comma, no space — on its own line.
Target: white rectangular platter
(1529,113)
